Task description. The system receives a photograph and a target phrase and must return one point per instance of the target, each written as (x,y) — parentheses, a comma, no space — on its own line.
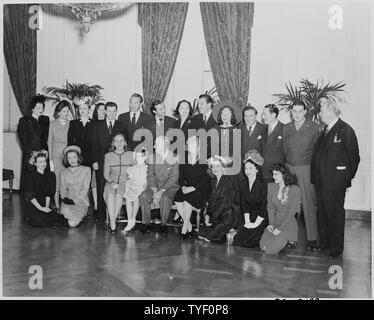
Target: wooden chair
(9,175)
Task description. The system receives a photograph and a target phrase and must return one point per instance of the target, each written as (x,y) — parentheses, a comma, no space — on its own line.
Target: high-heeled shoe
(191,234)
(183,236)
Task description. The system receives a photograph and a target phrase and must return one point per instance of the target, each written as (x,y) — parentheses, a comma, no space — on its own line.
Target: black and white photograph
(187,150)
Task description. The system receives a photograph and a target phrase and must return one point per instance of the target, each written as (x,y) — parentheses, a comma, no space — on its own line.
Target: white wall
(290,40)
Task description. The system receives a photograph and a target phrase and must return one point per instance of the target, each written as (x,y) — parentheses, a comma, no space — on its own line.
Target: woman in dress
(98,112)
(136,184)
(81,131)
(39,187)
(221,214)
(228,134)
(195,186)
(116,164)
(74,186)
(183,113)
(32,132)
(57,141)
(253,203)
(97,115)
(283,202)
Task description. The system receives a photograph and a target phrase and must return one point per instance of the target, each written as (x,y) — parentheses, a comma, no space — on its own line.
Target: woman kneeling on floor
(74,186)
(40,187)
(253,203)
(221,214)
(282,204)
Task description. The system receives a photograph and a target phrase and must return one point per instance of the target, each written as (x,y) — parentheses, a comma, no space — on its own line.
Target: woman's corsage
(284,198)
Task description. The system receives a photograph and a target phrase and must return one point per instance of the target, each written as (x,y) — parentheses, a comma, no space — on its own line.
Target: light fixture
(88,12)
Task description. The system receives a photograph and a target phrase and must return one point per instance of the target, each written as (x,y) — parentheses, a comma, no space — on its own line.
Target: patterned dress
(137,181)
(74,184)
(281,216)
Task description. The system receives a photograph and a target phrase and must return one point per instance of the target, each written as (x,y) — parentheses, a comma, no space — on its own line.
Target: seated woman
(116,163)
(253,201)
(283,202)
(74,186)
(221,214)
(195,186)
(39,187)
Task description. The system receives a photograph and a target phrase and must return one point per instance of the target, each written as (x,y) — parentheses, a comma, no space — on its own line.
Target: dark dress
(254,202)
(33,136)
(221,209)
(81,136)
(39,186)
(194,176)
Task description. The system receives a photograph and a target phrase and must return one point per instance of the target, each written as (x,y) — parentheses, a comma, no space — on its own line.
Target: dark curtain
(227,30)
(20,53)
(162,28)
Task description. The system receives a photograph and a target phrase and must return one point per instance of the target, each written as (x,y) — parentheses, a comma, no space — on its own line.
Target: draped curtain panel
(20,53)
(162,28)
(227,30)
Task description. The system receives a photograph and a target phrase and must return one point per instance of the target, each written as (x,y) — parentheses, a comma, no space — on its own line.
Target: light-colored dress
(115,170)
(57,141)
(137,182)
(75,185)
(281,215)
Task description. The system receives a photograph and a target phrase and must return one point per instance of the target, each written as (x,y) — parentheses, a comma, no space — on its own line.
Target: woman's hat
(70,148)
(254,156)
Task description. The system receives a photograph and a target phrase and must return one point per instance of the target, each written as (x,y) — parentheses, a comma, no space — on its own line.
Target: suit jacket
(130,129)
(163,174)
(102,140)
(198,122)
(273,149)
(221,200)
(33,134)
(335,157)
(151,125)
(255,141)
(81,136)
(253,201)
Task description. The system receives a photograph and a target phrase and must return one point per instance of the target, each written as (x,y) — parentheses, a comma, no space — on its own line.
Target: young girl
(136,184)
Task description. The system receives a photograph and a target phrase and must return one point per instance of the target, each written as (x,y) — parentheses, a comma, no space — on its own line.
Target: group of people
(300,167)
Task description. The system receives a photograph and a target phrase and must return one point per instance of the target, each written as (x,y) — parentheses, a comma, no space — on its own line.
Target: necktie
(270,130)
(326,130)
(250,131)
(110,127)
(133,119)
(204,119)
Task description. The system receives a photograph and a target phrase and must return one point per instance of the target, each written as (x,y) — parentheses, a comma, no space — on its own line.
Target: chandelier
(88,12)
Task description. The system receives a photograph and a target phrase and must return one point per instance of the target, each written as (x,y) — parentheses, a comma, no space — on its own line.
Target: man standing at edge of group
(273,149)
(101,142)
(300,136)
(334,164)
(133,120)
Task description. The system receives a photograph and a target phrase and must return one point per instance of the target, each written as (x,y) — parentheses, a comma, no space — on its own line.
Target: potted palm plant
(311,94)
(76,93)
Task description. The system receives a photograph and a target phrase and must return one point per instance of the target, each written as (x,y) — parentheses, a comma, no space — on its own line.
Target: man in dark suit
(253,133)
(162,184)
(273,149)
(133,120)
(160,123)
(334,164)
(105,130)
(205,119)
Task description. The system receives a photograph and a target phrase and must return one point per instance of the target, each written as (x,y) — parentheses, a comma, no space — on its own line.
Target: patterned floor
(88,261)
